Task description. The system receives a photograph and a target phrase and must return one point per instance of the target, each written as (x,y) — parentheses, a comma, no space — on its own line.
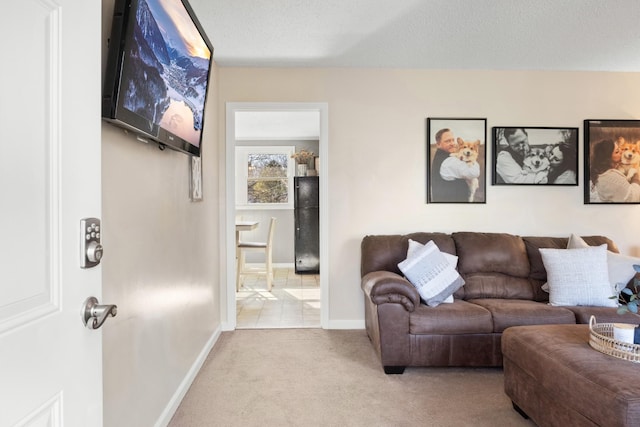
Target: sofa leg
(520,411)
(396,370)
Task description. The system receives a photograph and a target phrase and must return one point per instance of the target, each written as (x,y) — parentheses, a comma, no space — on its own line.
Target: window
(264,177)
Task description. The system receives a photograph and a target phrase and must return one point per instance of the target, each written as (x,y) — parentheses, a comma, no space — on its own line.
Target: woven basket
(601,339)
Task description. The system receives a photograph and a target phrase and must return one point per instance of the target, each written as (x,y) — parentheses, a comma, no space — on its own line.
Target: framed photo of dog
(535,156)
(456,160)
(612,161)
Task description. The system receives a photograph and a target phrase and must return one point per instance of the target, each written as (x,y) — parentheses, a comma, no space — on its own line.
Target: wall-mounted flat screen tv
(157,74)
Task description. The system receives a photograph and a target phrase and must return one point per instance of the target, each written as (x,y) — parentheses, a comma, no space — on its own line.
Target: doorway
(288,285)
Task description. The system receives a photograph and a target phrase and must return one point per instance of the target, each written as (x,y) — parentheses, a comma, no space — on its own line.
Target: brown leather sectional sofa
(503,276)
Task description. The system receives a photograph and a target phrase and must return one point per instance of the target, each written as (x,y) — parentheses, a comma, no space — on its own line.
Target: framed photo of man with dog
(612,161)
(456,160)
(535,156)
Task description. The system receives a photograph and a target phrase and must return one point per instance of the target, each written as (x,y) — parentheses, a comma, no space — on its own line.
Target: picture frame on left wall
(195,181)
(456,160)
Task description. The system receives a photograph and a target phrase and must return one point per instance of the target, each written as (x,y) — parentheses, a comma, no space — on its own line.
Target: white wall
(160,268)
(377,126)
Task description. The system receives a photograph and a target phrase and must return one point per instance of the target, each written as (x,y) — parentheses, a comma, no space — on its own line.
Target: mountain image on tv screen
(165,69)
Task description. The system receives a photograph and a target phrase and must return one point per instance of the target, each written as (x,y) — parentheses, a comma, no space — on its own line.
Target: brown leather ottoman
(553,376)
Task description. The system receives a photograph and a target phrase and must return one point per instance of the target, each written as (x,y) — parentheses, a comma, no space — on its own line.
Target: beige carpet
(315,377)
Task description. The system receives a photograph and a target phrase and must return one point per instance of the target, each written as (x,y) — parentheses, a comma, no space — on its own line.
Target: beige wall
(160,268)
(377,121)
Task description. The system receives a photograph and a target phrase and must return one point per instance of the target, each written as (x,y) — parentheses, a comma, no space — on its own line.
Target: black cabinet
(307,224)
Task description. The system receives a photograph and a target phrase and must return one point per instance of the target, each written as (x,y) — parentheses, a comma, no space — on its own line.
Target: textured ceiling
(591,35)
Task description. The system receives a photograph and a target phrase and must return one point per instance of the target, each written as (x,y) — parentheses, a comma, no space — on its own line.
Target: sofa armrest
(387,287)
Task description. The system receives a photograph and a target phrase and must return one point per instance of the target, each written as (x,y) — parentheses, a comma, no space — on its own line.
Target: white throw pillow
(431,272)
(620,267)
(578,276)
(413,248)
(453,260)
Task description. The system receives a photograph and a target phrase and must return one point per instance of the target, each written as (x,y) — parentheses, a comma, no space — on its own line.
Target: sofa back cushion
(534,244)
(538,274)
(493,265)
(385,252)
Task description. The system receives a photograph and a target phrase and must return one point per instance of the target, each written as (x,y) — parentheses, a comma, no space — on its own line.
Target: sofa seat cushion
(603,315)
(514,312)
(459,317)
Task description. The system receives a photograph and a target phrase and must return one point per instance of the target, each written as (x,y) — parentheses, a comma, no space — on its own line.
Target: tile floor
(294,301)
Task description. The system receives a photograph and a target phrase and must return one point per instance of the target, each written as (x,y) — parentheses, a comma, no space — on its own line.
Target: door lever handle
(94,314)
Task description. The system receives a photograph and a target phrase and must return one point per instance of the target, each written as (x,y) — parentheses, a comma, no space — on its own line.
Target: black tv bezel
(112,110)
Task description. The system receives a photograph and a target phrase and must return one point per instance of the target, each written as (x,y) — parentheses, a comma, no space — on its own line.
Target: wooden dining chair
(265,247)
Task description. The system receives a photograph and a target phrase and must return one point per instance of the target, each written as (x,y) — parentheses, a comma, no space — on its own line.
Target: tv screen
(157,74)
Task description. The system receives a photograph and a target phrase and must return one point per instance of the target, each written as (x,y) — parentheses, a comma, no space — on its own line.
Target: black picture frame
(530,155)
(463,178)
(617,182)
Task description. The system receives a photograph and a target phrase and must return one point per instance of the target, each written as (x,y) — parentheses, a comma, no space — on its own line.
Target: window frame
(242,153)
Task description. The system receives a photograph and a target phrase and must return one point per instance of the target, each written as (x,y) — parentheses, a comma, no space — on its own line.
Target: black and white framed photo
(456,160)
(612,161)
(535,156)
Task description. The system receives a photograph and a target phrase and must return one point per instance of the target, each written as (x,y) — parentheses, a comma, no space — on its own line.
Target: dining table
(242,225)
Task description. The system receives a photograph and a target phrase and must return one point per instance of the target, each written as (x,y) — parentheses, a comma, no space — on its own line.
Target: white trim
(346,324)
(323,153)
(227,252)
(279,138)
(227,258)
(183,388)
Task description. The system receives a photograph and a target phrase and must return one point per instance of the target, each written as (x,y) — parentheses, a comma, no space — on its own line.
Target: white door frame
(228,277)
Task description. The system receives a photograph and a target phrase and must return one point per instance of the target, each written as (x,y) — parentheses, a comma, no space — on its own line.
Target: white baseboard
(182,389)
(226,326)
(346,324)
(333,324)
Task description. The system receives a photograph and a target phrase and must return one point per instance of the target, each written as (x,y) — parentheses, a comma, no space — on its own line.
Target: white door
(50,364)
